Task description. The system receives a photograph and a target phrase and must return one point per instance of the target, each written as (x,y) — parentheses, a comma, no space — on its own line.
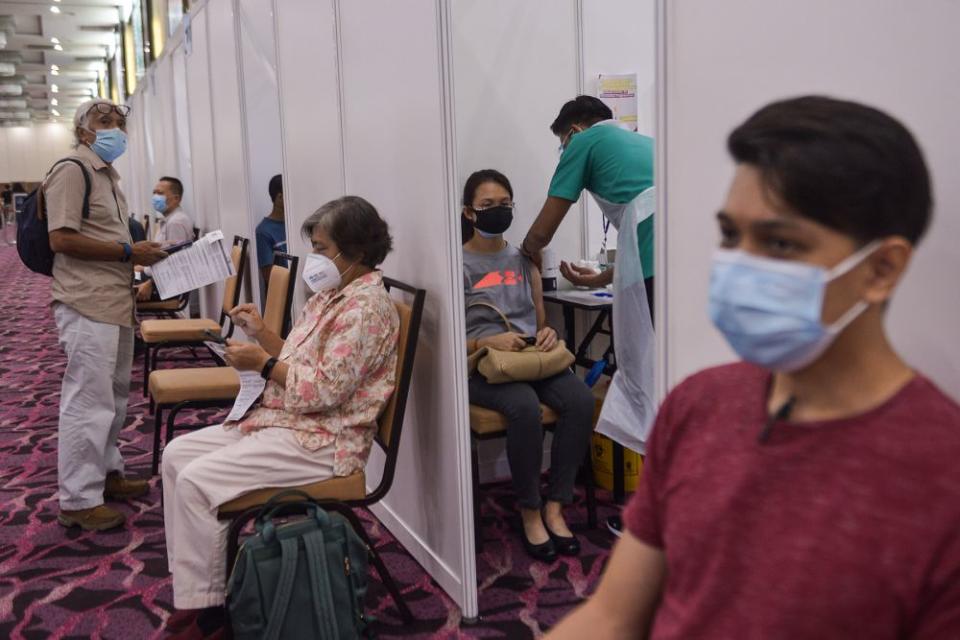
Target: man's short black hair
(582,110)
(845,165)
(175,185)
(276,186)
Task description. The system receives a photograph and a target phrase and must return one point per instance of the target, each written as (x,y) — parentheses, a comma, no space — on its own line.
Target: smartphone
(213,336)
(177,247)
(531,340)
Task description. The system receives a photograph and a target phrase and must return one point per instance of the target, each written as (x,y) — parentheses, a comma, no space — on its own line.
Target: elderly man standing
(93,306)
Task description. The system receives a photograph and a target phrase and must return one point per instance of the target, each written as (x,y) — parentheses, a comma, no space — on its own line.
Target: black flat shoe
(563,545)
(544,552)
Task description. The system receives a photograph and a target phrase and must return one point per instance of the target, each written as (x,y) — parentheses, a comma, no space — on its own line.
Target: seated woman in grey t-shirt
(496,274)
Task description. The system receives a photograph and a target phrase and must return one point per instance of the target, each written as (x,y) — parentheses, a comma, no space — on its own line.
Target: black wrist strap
(268,368)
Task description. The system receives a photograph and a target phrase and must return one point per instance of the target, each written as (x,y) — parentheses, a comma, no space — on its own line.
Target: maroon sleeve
(642,516)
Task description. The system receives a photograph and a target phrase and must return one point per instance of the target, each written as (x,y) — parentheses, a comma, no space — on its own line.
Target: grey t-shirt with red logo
(500,279)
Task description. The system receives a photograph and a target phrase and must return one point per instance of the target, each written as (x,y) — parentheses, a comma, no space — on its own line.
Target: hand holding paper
(245,356)
(247,317)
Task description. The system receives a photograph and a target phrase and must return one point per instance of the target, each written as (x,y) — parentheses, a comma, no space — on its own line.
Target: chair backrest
(390,424)
(232,285)
(276,310)
(196,233)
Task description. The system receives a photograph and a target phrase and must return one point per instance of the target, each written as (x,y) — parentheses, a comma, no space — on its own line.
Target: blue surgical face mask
(159,203)
(770,310)
(110,144)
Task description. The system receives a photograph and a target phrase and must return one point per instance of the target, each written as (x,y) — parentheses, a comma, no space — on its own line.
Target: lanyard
(603,245)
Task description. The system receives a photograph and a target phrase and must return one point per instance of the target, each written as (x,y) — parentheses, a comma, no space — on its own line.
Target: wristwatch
(127,252)
(268,368)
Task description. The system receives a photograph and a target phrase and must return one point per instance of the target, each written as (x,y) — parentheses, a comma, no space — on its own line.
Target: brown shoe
(98,518)
(119,488)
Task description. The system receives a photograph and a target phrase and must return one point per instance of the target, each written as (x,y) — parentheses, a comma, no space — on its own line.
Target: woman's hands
(245,356)
(247,317)
(547,339)
(503,342)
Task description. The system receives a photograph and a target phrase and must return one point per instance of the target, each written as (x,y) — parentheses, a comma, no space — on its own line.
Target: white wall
(722,61)
(228,131)
(27,153)
(306,39)
(261,109)
(618,36)
(399,155)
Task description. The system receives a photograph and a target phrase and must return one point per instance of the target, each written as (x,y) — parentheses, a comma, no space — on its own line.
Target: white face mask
(321,273)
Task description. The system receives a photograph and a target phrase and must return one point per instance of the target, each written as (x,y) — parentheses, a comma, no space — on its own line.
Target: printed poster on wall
(619,92)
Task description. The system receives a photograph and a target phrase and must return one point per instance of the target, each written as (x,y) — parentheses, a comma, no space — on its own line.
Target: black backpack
(33,237)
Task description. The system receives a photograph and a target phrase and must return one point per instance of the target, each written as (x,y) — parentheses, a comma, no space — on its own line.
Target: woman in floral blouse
(327,384)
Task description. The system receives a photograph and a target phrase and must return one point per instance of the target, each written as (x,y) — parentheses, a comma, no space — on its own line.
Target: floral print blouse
(342,358)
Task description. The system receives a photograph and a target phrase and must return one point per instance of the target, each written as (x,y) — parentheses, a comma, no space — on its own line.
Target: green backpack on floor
(302,579)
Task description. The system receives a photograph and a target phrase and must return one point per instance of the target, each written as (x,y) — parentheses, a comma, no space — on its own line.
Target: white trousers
(207,468)
(93,405)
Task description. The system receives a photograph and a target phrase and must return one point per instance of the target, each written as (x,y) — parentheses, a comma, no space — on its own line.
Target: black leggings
(520,403)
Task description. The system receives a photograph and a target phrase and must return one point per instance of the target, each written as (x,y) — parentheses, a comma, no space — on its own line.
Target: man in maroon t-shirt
(813,490)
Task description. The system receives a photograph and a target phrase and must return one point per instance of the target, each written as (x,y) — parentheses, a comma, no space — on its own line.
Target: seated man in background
(271,233)
(175,226)
(327,385)
(812,490)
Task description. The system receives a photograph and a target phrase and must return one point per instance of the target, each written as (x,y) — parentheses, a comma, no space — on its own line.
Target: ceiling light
(57,47)
(55,40)
(54,101)
(55,9)
(55,112)
(56,0)
(54,73)
(55,67)
(54,89)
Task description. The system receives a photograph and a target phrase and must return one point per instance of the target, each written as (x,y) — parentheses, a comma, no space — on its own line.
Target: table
(600,301)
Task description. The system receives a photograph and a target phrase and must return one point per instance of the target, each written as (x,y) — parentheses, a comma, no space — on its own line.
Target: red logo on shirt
(499,279)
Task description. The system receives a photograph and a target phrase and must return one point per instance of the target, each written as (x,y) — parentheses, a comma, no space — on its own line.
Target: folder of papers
(204,262)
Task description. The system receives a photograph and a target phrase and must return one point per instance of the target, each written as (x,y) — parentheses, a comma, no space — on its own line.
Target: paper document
(217,348)
(619,92)
(251,386)
(206,261)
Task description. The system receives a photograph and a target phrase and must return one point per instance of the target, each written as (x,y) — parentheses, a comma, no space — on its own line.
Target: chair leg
(589,488)
(146,368)
(475,473)
(157,428)
(405,614)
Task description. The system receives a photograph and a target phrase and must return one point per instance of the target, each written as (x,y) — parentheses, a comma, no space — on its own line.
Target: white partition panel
(399,155)
(508,90)
(202,156)
(261,109)
(306,40)
(618,37)
(228,129)
(721,61)
(181,122)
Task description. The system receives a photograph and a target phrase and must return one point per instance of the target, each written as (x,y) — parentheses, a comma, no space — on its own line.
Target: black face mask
(494,220)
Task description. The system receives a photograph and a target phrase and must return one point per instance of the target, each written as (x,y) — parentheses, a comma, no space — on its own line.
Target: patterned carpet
(58,583)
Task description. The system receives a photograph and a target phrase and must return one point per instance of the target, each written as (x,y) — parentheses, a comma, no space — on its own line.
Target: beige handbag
(528,365)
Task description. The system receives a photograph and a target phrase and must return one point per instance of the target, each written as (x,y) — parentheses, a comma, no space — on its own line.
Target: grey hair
(81,119)
(354,225)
